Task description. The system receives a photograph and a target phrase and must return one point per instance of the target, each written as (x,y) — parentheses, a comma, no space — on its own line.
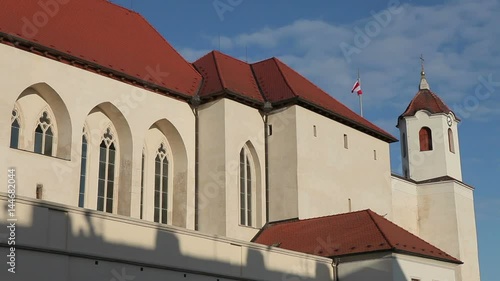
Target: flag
(357,88)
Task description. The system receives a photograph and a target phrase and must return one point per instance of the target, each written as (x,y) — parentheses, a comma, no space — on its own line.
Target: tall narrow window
(425,137)
(44,136)
(105,187)
(83,172)
(14,129)
(142,187)
(346,142)
(161,186)
(404,145)
(315,131)
(246,200)
(451,142)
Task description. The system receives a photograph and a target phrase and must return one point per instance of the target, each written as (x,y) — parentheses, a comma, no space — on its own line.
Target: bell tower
(429,137)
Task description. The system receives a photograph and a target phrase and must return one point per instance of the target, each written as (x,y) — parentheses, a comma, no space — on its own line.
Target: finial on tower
(423,81)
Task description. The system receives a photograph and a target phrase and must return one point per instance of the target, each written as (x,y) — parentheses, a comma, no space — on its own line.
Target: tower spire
(423,81)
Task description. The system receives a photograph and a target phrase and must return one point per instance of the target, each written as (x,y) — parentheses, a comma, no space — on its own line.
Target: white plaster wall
(282,153)
(329,174)
(405,205)
(81,91)
(423,165)
(225,126)
(376,267)
(446,220)
(394,267)
(407,267)
(118,243)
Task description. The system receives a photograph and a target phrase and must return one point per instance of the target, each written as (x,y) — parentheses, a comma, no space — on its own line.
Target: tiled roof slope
(279,82)
(102,33)
(426,100)
(347,234)
(222,73)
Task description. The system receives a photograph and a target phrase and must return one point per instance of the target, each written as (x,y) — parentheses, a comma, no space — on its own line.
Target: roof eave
(57,55)
(351,123)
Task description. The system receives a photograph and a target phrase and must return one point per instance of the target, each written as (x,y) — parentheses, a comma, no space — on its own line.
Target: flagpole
(360,97)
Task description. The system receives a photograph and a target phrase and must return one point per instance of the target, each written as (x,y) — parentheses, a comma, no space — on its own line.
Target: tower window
(39,191)
(107,155)
(14,129)
(44,135)
(425,137)
(451,142)
(315,131)
(269,130)
(374,154)
(346,142)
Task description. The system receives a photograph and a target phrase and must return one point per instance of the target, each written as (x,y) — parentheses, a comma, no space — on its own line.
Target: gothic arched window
(425,136)
(83,170)
(15,129)
(107,158)
(142,187)
(161,186)
(44,135)
(246,186)
(451,142)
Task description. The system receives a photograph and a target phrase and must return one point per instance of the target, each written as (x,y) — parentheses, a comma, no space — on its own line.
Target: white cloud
(459,41)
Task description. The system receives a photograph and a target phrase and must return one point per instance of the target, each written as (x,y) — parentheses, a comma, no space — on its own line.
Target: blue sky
(327,41)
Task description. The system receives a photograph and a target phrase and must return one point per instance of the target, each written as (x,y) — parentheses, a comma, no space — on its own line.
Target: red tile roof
(426,100)
(279,82)
(347,234)
(102,33)
(225,74)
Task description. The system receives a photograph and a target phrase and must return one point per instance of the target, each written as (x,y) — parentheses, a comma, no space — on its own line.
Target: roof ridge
(229,56)
(168,44)
(379,229)
(259,88)
(119,6)
(218,71)
(406,231)
(276,60)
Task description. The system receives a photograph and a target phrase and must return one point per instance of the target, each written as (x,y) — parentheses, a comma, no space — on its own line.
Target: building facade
(133,159)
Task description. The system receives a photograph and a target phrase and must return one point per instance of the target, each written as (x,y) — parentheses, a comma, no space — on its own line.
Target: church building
(124,161)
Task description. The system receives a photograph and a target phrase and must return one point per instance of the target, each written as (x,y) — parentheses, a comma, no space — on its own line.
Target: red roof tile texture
(101,32)
(347,234)
(280,82)
(426,100)
(224,73)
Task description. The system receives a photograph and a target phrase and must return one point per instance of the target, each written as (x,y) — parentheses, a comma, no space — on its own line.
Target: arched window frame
(84,168)
(425,139)
(44,135)
(107,172)
(451,141)
(161,186)
(15,128)
(143,168)
(247,189)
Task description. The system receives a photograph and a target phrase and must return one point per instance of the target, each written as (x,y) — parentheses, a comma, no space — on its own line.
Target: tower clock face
(449,120)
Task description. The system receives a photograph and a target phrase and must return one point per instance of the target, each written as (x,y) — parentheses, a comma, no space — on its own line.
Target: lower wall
(56,242)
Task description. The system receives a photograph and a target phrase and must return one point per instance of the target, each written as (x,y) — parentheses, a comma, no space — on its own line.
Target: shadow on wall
(58,243)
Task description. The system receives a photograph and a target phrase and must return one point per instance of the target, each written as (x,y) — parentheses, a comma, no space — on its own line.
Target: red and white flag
(357,88)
